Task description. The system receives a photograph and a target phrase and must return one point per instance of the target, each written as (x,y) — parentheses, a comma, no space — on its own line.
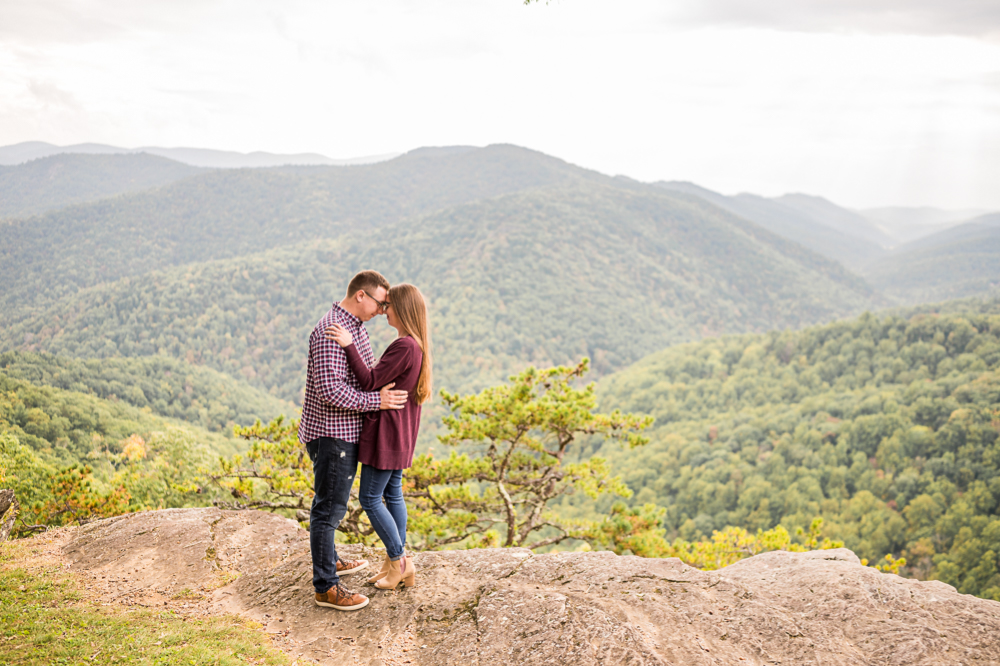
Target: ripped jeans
(335,462)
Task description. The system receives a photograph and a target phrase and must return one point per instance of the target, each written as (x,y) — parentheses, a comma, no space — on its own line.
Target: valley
(800,360)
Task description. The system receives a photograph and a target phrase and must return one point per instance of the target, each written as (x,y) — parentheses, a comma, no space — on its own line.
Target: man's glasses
(382,305)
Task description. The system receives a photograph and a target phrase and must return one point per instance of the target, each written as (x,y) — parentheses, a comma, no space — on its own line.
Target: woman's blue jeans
(389,519)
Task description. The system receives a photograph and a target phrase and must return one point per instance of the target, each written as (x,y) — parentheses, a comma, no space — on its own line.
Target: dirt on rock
(494,607)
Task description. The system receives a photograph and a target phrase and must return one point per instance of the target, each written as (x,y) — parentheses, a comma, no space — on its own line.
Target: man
(330,425)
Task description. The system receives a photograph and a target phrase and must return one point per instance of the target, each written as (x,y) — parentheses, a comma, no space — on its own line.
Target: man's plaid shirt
(333,402)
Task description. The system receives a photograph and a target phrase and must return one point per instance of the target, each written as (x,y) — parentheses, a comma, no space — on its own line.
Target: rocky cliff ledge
(509,606)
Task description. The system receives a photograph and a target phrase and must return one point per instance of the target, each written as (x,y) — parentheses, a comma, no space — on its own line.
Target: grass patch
(186,593)
(224,578)
(45,619)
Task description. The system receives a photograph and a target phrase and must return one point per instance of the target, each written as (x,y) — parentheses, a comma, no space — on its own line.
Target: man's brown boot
(401,570)
(381,572)
(341,598)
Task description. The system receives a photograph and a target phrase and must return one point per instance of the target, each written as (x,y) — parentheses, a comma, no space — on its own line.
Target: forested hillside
(55,182)
(139,328)
(960,261)
(160,384)
(887,427)
(238,212)
(64,427)
(72,457)
(543,276)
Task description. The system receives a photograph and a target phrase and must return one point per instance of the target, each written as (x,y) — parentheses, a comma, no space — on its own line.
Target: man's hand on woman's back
(392,399)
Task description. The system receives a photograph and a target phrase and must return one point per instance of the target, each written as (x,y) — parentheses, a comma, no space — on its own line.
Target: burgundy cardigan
(389,436)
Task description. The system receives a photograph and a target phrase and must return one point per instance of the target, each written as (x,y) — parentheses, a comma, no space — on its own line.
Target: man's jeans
(334,464)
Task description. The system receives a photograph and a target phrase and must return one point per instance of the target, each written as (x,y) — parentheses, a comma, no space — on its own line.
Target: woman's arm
(394,362)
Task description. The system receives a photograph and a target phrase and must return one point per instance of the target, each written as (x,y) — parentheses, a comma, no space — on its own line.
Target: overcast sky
(866,102)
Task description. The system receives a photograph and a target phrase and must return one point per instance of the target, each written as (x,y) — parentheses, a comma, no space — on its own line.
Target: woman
(388,437)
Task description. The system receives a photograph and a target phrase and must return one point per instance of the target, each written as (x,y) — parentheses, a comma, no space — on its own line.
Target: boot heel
(410,579)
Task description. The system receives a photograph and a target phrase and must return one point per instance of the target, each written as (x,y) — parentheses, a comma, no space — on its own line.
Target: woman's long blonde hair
(410,307)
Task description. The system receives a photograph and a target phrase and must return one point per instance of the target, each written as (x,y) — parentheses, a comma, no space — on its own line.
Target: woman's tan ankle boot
(400,570)
(410,575)
(381,572)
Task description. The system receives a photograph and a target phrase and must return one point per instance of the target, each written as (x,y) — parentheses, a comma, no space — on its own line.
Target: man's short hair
(367,280)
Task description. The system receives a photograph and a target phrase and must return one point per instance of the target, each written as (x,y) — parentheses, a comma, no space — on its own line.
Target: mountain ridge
(59,181)
(905,224)
(226,213)
(836,217)
(506,277)
(20,153)
(962,260)
(789,222)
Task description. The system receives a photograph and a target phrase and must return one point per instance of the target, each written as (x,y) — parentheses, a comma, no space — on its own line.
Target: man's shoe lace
(341,592)
(343,564)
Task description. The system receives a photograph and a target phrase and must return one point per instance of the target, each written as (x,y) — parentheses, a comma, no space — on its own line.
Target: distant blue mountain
(200,157)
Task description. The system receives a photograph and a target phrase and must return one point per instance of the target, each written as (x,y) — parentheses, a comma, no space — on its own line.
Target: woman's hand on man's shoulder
(339,334)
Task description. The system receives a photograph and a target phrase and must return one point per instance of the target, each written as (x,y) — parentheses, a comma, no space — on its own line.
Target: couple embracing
(356,410)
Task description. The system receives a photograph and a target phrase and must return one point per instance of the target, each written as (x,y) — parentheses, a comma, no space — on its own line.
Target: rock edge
(510,606)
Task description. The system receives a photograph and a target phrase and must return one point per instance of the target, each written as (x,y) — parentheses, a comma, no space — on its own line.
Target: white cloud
(866,120)
(85,21)
(927,17)
(50,95)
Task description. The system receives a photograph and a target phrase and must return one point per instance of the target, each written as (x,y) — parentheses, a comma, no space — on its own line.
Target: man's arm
(330,371)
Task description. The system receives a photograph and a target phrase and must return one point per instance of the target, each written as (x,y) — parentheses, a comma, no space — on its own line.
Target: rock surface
(509,606)
(9,507)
